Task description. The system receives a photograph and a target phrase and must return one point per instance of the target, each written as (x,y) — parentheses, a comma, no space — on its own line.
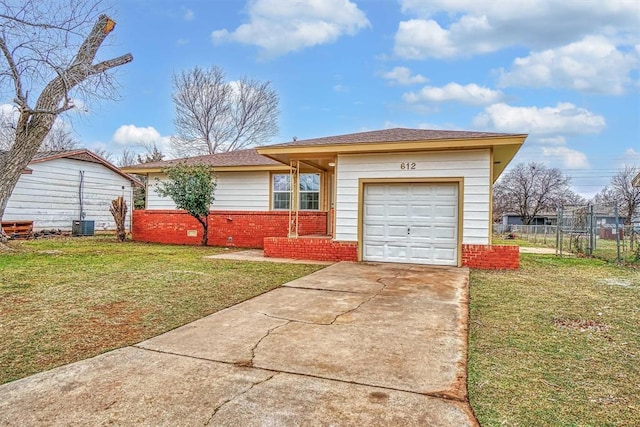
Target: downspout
(80,194)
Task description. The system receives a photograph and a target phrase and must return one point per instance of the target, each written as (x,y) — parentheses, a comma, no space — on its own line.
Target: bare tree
(152,154)
(59,138)
(102,152)
(7,127)
(48,47)
(622,191)
(529,189)
(213,115)
(127,158)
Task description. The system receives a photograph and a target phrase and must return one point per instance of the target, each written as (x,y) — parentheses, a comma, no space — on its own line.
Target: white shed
(61,187)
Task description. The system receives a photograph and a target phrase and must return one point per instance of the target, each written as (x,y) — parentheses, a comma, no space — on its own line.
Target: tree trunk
(35,123)
(205,230)
(119,211)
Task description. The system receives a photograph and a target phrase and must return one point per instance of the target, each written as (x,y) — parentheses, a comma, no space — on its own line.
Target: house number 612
(407,165)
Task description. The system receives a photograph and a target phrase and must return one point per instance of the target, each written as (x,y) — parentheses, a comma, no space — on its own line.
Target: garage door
(411,223)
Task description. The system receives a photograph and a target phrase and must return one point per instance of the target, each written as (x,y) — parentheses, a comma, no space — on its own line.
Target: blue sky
(566,72)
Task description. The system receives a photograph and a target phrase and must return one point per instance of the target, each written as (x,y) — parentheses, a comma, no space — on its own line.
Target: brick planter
(312,248)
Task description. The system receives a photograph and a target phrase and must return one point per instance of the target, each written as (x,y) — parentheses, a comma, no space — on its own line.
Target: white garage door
(411,223)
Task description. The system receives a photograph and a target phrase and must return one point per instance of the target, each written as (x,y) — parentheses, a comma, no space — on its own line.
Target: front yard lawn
(555,343)
(63,300)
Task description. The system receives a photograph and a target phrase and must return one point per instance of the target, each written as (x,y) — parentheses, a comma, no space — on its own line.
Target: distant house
(602,219)
(509,218)
(394,195)
(636,181)
(61,187)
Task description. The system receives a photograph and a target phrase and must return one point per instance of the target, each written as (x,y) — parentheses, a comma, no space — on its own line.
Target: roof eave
(504,149)
(420,145)
(245,168)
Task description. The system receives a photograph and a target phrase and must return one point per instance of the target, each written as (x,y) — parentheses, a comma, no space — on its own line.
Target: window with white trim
(281,191)
(309,185)
(308,191)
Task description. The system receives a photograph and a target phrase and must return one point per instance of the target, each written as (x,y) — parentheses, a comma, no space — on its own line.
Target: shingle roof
(246,157)
(391,135)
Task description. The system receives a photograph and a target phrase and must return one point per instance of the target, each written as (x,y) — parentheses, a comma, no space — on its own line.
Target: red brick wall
(310,248)
(226,228)
(491,257)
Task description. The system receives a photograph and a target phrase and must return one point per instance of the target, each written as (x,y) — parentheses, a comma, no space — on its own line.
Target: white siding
(235,191)
(473,166)
(50,195)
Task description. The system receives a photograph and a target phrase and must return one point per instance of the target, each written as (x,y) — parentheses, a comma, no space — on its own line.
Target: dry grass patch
(63,300)
(555,343)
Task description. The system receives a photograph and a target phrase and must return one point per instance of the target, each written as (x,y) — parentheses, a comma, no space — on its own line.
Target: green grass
(605,249)
(63,300)
(555,343)
(526,240)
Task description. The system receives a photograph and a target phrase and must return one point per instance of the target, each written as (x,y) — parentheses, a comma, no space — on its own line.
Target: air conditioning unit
(83,228)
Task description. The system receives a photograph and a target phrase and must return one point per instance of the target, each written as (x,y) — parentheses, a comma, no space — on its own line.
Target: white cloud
(553,140)
(593,64)
(421,39)
(402,76)
(571,159)
(282,26)
(8,112)
(340,88)
(469,27)
(467,94)
(564,118)
(134,136)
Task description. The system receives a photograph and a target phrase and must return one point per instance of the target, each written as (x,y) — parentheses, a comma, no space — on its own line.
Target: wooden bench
(18,229)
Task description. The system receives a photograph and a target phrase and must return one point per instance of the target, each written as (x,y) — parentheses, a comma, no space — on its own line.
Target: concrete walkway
(257,255)
(352,344)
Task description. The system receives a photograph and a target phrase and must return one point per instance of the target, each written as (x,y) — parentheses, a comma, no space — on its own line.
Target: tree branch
(111,63)
(33,24)
(89,48)
(20,99)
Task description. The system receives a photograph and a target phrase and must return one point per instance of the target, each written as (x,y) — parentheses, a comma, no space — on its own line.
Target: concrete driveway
(352,344)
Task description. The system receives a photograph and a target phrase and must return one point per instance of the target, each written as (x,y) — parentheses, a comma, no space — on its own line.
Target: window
(281,191)
(309,191)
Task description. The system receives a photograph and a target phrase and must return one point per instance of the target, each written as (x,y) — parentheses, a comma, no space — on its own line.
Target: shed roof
(81,154)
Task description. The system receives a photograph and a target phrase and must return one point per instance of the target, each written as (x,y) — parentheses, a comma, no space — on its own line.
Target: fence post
(559,233)
(592,237)
(615,214)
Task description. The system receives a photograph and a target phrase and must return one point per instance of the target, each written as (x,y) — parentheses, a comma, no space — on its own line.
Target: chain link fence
(594,230)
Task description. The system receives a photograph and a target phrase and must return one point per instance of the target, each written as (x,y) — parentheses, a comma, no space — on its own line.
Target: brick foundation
(491,257)
(226,228)
(268,230)
(321,249)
